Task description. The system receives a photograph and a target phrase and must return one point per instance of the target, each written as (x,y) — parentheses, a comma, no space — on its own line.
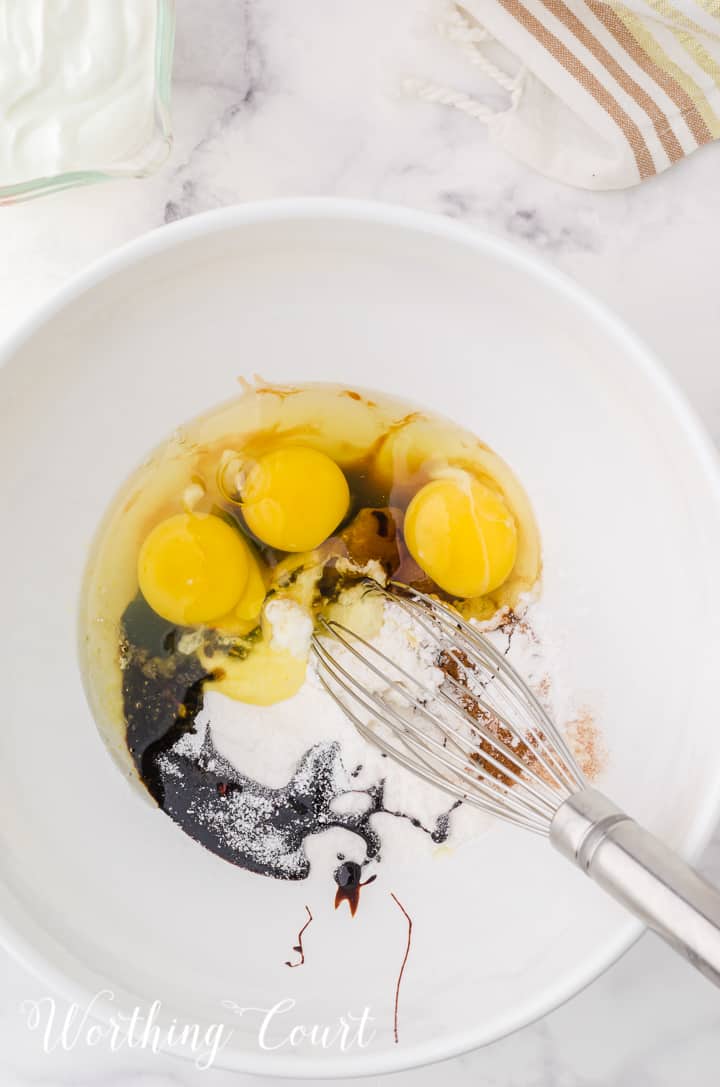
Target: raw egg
(193,568)
(462,534)
(294,497)
(245,616)
(292,494)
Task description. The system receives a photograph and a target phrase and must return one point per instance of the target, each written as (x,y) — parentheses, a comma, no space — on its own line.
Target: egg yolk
(294,498)
(246,614)
(462,535)
(193,568)
(264,677)
(250,603)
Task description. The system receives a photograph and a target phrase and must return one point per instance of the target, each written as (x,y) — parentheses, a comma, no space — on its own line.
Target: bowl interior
(98,888)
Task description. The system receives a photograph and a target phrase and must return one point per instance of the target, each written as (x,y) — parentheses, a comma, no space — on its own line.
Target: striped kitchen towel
(600,94)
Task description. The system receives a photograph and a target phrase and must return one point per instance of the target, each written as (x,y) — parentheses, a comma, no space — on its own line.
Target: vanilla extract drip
(349,883)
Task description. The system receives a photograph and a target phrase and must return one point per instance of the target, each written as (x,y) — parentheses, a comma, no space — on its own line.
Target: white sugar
(290,626)
(267,743)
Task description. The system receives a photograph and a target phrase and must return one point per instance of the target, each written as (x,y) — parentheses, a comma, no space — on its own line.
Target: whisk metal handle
(643,874)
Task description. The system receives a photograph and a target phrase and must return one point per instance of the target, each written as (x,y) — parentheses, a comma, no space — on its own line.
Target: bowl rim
(164,238)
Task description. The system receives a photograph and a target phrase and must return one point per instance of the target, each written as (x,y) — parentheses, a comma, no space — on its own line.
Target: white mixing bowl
(99,891)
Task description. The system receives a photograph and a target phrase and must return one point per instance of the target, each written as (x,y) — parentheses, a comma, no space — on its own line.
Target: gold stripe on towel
(653,48)
(607,15)
(685,31)
(672,14)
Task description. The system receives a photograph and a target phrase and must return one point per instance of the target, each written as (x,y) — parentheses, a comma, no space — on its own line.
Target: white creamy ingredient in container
(77,84)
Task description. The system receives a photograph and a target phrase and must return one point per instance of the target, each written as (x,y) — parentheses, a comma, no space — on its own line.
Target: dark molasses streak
(249,824)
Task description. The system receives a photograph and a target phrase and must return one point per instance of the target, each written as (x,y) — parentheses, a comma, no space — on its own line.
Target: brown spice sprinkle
(457,665)
(587,744)
(581,733)
(512,622)
(543,689)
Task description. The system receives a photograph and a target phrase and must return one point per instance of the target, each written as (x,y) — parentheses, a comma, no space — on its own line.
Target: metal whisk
(482,736)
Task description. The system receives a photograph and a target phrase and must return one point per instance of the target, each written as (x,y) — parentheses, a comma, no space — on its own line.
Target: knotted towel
(601,95)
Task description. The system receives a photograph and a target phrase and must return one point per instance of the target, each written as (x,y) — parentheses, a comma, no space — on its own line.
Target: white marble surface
(278,98)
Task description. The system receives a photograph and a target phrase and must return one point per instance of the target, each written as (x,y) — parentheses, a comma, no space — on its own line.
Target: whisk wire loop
(498,766)
(479,734)
(475,730)
(462,635)
(417,764)
(418,742)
